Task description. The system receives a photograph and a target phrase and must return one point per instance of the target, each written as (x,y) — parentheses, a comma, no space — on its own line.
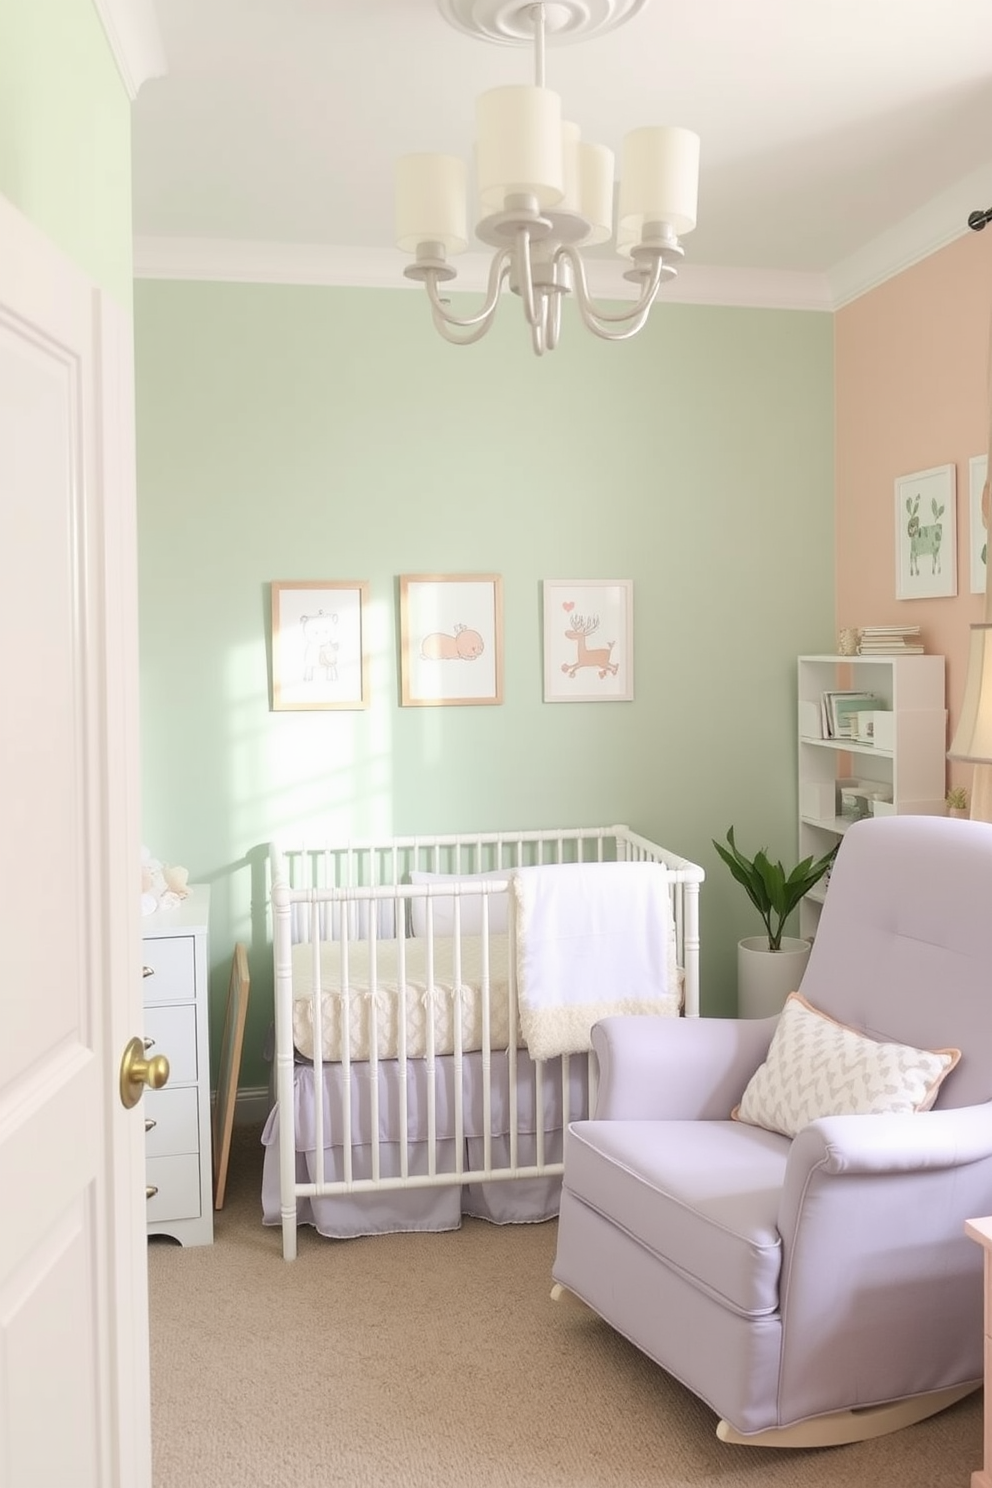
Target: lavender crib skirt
(502,1201)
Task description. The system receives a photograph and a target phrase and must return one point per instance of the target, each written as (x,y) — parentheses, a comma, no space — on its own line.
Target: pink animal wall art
(464,645)
(597,657)
(451,639)
(587,640)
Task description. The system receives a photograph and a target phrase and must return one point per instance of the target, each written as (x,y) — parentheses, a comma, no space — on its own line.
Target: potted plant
(770,966)
(957,801)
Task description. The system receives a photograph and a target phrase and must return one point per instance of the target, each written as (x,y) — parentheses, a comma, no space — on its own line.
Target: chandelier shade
(972,740)
(430,202)
(659,181)
(519,145)
(589,171)
(542,193)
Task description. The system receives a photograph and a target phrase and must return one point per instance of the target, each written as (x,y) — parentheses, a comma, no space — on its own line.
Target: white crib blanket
(388,999)
(594,940)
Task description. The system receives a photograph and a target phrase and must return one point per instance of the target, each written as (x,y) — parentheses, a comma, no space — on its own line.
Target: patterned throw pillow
(818,1067)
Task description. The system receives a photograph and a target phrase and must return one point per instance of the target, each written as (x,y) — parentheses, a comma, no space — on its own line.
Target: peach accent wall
(912,391)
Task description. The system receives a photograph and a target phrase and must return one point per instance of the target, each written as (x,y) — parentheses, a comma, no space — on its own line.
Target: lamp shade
(973,736)
(519,145)
(596,171)
(430,202)
(659,180)
(588,180)
(570,142)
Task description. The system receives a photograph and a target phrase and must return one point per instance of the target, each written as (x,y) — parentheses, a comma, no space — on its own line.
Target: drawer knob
(150,1191)
(149,1123)
(137,1072)
(147,971)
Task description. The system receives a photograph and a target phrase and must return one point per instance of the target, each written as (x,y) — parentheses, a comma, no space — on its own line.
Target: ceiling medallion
(511,22)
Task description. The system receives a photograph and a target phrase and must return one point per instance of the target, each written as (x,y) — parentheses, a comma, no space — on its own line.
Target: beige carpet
(439,1361)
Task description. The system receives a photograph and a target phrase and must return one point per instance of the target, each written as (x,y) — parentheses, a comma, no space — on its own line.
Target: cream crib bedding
(388,1000)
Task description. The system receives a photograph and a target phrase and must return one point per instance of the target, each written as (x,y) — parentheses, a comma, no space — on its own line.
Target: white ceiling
(840,139)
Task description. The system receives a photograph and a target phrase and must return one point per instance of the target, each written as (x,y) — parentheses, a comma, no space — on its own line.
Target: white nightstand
(177,1118)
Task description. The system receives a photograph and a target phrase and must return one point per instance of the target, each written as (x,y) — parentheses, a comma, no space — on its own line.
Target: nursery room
(373,649)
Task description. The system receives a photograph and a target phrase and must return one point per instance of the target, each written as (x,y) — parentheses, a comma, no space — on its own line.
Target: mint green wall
(313,433)
(65,134)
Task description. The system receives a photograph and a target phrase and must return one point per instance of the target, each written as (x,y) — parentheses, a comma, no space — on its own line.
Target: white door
(74,1407)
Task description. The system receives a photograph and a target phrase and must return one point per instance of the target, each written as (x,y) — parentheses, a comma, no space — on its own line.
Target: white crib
(398,1047)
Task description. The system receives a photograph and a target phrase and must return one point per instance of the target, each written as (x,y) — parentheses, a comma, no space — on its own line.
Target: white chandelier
(542,193)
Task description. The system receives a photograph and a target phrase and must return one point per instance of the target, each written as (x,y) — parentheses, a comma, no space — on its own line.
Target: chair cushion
(702,1196)
(818,1067)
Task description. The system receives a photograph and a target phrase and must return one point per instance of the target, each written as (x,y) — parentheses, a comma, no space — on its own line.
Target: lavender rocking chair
(816,1286)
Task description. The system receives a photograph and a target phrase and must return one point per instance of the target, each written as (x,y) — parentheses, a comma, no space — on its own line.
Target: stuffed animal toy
(162,886)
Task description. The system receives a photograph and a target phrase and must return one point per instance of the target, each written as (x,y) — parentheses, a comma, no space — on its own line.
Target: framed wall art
(588,640)
(978,527)
(319,644)
(451,639)
(231,1045)
(926,534)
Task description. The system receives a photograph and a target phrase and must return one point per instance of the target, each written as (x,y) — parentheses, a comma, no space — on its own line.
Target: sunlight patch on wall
(287,771)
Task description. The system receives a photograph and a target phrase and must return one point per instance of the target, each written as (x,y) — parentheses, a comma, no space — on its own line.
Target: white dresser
(177,1118)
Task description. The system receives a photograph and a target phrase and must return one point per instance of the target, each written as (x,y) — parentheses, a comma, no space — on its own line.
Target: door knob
(137,1072)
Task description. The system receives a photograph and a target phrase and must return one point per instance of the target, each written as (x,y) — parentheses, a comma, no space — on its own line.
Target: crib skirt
(563,1089)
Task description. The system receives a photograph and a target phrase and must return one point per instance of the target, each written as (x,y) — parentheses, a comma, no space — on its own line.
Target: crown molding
(940,222)
(243,262)
(131,28)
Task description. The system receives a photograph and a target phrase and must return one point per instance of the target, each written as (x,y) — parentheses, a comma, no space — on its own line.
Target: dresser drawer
(173,1030)
(170,969)
(178,1182)
(176,1128)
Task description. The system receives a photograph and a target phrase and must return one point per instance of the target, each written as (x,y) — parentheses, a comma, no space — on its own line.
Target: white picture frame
(926,534)
(320,655)
(978,533)
(588,640)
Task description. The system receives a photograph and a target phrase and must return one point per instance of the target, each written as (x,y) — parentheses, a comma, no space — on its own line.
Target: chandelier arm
(591,311)
(608,327)
(457,338)
(525,280)
(613,332)
(553,320)
(497,270)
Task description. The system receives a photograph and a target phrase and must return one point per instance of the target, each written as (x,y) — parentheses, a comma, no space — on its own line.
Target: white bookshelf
(913,770)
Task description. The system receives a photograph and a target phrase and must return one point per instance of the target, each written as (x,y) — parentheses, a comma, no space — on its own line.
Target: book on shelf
(889,649)
(889,640)
(880,630)
(836,709)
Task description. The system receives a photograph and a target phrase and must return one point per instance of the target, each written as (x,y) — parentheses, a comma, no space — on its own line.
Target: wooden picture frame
(451,640)
(926,534)
(319,644)
(231,1044)
(580,611)
(978,514)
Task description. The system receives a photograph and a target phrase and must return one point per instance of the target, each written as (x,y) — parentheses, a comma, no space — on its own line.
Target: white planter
(765,978)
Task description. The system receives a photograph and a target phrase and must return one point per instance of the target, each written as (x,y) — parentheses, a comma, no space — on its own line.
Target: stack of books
(889,640)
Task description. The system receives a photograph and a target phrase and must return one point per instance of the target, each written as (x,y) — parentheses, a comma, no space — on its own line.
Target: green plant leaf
(773,892)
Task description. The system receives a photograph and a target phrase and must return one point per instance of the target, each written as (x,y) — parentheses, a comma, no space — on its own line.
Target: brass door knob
(137,1072)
